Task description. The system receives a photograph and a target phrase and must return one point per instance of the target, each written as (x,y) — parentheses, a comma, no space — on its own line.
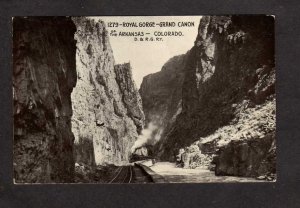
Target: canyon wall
(106,104)
(44,74)
(162,99)
(130,95)
(228,76)
(231,61)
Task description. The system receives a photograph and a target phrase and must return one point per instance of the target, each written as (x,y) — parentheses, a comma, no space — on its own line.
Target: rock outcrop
(130,95)
(192,157)
(106,104)
(44,74)
(227,77)
(232,60)
(161,96)
(254,157)
(245,147)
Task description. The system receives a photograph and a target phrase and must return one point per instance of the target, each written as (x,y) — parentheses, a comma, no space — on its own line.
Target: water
(175,174)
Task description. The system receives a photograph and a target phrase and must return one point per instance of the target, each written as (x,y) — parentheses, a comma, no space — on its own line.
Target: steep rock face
(232,61)
(103,113)
(161,95)
(130,95)
(44,74)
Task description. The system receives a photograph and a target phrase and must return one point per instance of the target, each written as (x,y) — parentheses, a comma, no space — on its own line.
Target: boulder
(250,158)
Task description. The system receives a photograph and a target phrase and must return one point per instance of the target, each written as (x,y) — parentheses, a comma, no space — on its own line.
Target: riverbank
(175,174)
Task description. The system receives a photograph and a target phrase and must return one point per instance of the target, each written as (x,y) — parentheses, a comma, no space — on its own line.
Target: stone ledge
(155,177)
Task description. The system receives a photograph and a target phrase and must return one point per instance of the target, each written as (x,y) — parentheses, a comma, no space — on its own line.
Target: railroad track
(123,175)
(130,174)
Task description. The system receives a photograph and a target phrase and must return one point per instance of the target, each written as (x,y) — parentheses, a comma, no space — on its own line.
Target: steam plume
(146,137)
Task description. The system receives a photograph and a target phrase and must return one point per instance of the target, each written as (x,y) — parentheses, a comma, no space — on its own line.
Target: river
(175,174)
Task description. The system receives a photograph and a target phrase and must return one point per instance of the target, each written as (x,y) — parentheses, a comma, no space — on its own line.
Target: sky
(148,57)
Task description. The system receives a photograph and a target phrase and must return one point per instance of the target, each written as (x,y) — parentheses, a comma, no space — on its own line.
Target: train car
(136,157)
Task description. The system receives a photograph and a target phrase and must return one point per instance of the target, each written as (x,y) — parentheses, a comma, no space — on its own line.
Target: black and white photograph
(144,99)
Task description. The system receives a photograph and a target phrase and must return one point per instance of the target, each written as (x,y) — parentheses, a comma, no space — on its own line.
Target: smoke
(150,135)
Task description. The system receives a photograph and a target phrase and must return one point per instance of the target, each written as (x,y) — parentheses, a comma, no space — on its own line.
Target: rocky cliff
(130,95)
(107,107)
(44,74)
(161,95)
(228,76)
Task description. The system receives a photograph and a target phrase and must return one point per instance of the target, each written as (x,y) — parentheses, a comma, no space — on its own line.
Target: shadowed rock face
(44,74)
(232,60)
(161,95)
(84,152)
(227,99)
(106,104)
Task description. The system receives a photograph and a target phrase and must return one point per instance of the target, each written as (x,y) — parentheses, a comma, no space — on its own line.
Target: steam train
(136,157)
(142,153)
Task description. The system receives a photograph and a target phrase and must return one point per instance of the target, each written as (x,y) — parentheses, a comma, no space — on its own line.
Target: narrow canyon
(76,110)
